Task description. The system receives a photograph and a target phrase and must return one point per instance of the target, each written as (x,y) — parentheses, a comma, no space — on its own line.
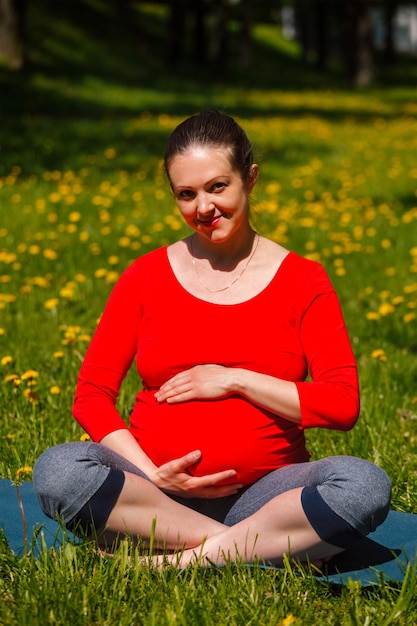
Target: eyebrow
(225,177)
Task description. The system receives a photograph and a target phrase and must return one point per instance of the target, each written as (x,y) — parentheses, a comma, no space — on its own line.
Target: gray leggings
(344,492)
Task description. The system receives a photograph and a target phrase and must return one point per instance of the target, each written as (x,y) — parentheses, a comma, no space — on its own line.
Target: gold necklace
(200,280)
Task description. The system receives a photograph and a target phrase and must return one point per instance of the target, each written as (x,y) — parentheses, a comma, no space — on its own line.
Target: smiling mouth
(211,222)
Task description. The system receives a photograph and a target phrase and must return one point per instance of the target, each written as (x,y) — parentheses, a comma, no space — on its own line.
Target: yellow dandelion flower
(55,390)
(132,230)
(287,621)
(85,338)
(6,360)
(74,216)
(29,374)
(137,195)
(85,437)
(113,260)
(95,248)
(100,273)
(105,186)
(74,328)
(59,354)
(372,315)
(409,317)
(158,227)
(25,471)
(7,297)
(273,188)
(67,292)
(11,378)
(110,153)
(112,277)
(50,254)
(124,242)
(97,200)
(54,197)
(50,304)
(32,396)
(379,354)
(386,308)
(2,331)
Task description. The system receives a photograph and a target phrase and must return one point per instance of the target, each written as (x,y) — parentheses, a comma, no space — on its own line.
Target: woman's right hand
(173,478)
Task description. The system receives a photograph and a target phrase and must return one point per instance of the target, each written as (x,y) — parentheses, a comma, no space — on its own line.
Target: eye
(186,194)
(218,186)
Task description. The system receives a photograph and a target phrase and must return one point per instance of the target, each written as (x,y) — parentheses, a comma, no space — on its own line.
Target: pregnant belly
(231,433)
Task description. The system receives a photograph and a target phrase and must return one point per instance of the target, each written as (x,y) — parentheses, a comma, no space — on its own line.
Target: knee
(377,492)
(360,493)
(56,479)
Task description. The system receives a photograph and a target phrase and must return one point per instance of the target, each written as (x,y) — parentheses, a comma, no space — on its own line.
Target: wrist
(237,383)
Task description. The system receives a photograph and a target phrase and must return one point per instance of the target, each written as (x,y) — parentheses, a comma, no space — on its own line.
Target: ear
(253,177)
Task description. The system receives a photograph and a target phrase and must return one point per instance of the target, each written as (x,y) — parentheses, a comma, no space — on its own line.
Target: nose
(205,204)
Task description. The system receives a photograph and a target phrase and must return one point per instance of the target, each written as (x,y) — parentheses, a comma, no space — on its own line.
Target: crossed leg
(278,528)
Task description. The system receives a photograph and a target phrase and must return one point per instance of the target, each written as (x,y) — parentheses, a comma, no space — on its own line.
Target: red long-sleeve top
(292,329)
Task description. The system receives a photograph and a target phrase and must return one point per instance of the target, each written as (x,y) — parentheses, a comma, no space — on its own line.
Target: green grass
(82,193)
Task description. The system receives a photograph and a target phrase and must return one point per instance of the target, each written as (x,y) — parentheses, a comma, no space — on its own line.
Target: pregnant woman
(241,346)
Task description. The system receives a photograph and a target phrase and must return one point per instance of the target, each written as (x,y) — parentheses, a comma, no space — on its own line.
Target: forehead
(207,161)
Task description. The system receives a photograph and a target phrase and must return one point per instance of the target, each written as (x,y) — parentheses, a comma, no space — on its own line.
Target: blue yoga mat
(383,555)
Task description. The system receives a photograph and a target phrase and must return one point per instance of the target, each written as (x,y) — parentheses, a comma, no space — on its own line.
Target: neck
(223,256)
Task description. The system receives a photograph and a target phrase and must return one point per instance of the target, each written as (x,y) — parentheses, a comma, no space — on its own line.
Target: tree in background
(216,35)
(343,30)
(11,33)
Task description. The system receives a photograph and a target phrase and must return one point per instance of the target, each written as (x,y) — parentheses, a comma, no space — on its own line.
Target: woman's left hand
(200,382)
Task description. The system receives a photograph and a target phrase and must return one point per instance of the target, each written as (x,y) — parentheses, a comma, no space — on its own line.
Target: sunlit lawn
(338,184)
(82,196)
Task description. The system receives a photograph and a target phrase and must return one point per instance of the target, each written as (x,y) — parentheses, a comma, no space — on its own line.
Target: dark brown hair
(212,128)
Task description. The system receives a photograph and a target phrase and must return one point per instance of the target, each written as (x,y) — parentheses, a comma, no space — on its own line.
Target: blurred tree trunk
(132,26)
(200,43)
(246,19)
(391,7)
(358,49)
(176,30)
(321,12)
(181,13)
(218,37)
(302,14)
(11,33)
